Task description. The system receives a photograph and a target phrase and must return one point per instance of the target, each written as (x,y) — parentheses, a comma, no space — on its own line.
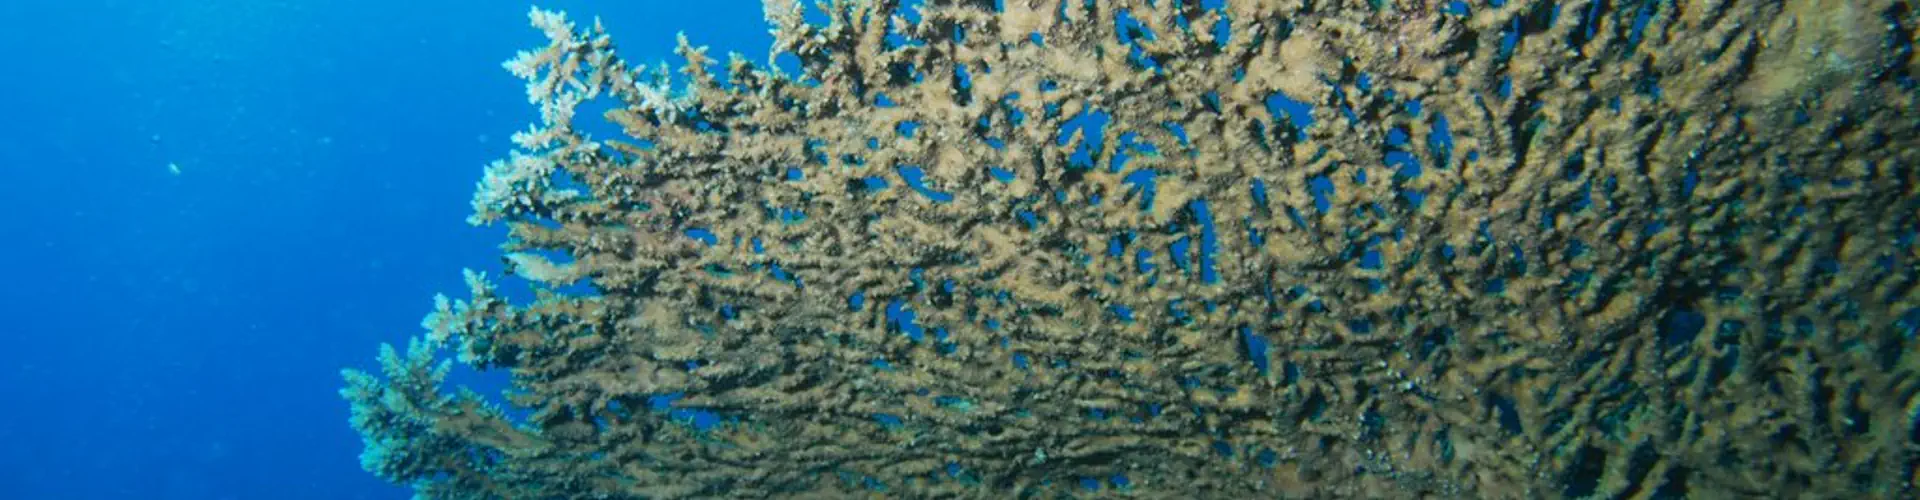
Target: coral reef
(1241,249)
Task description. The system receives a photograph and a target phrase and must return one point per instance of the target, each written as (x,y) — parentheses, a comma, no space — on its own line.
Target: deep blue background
(180,336)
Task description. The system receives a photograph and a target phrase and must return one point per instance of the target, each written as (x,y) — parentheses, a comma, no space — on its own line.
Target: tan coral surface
(1034,248)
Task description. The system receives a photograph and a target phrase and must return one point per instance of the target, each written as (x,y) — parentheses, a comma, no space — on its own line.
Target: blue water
(179,335)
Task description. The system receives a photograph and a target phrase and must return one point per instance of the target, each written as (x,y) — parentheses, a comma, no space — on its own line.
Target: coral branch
(1271,248)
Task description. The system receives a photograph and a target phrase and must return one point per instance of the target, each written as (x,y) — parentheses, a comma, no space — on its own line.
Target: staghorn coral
(1264,249)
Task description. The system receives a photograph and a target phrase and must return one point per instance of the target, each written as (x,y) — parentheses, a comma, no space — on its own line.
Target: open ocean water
(213,206)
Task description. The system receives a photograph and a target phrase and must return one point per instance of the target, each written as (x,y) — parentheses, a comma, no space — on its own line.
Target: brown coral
(1282,248)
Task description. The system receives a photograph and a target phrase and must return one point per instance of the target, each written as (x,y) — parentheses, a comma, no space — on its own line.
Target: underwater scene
(1630,249)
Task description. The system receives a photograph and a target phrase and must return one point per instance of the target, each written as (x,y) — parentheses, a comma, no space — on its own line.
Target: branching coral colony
(1382,249)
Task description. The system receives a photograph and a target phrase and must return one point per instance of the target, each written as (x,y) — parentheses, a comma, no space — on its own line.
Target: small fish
(173,168)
